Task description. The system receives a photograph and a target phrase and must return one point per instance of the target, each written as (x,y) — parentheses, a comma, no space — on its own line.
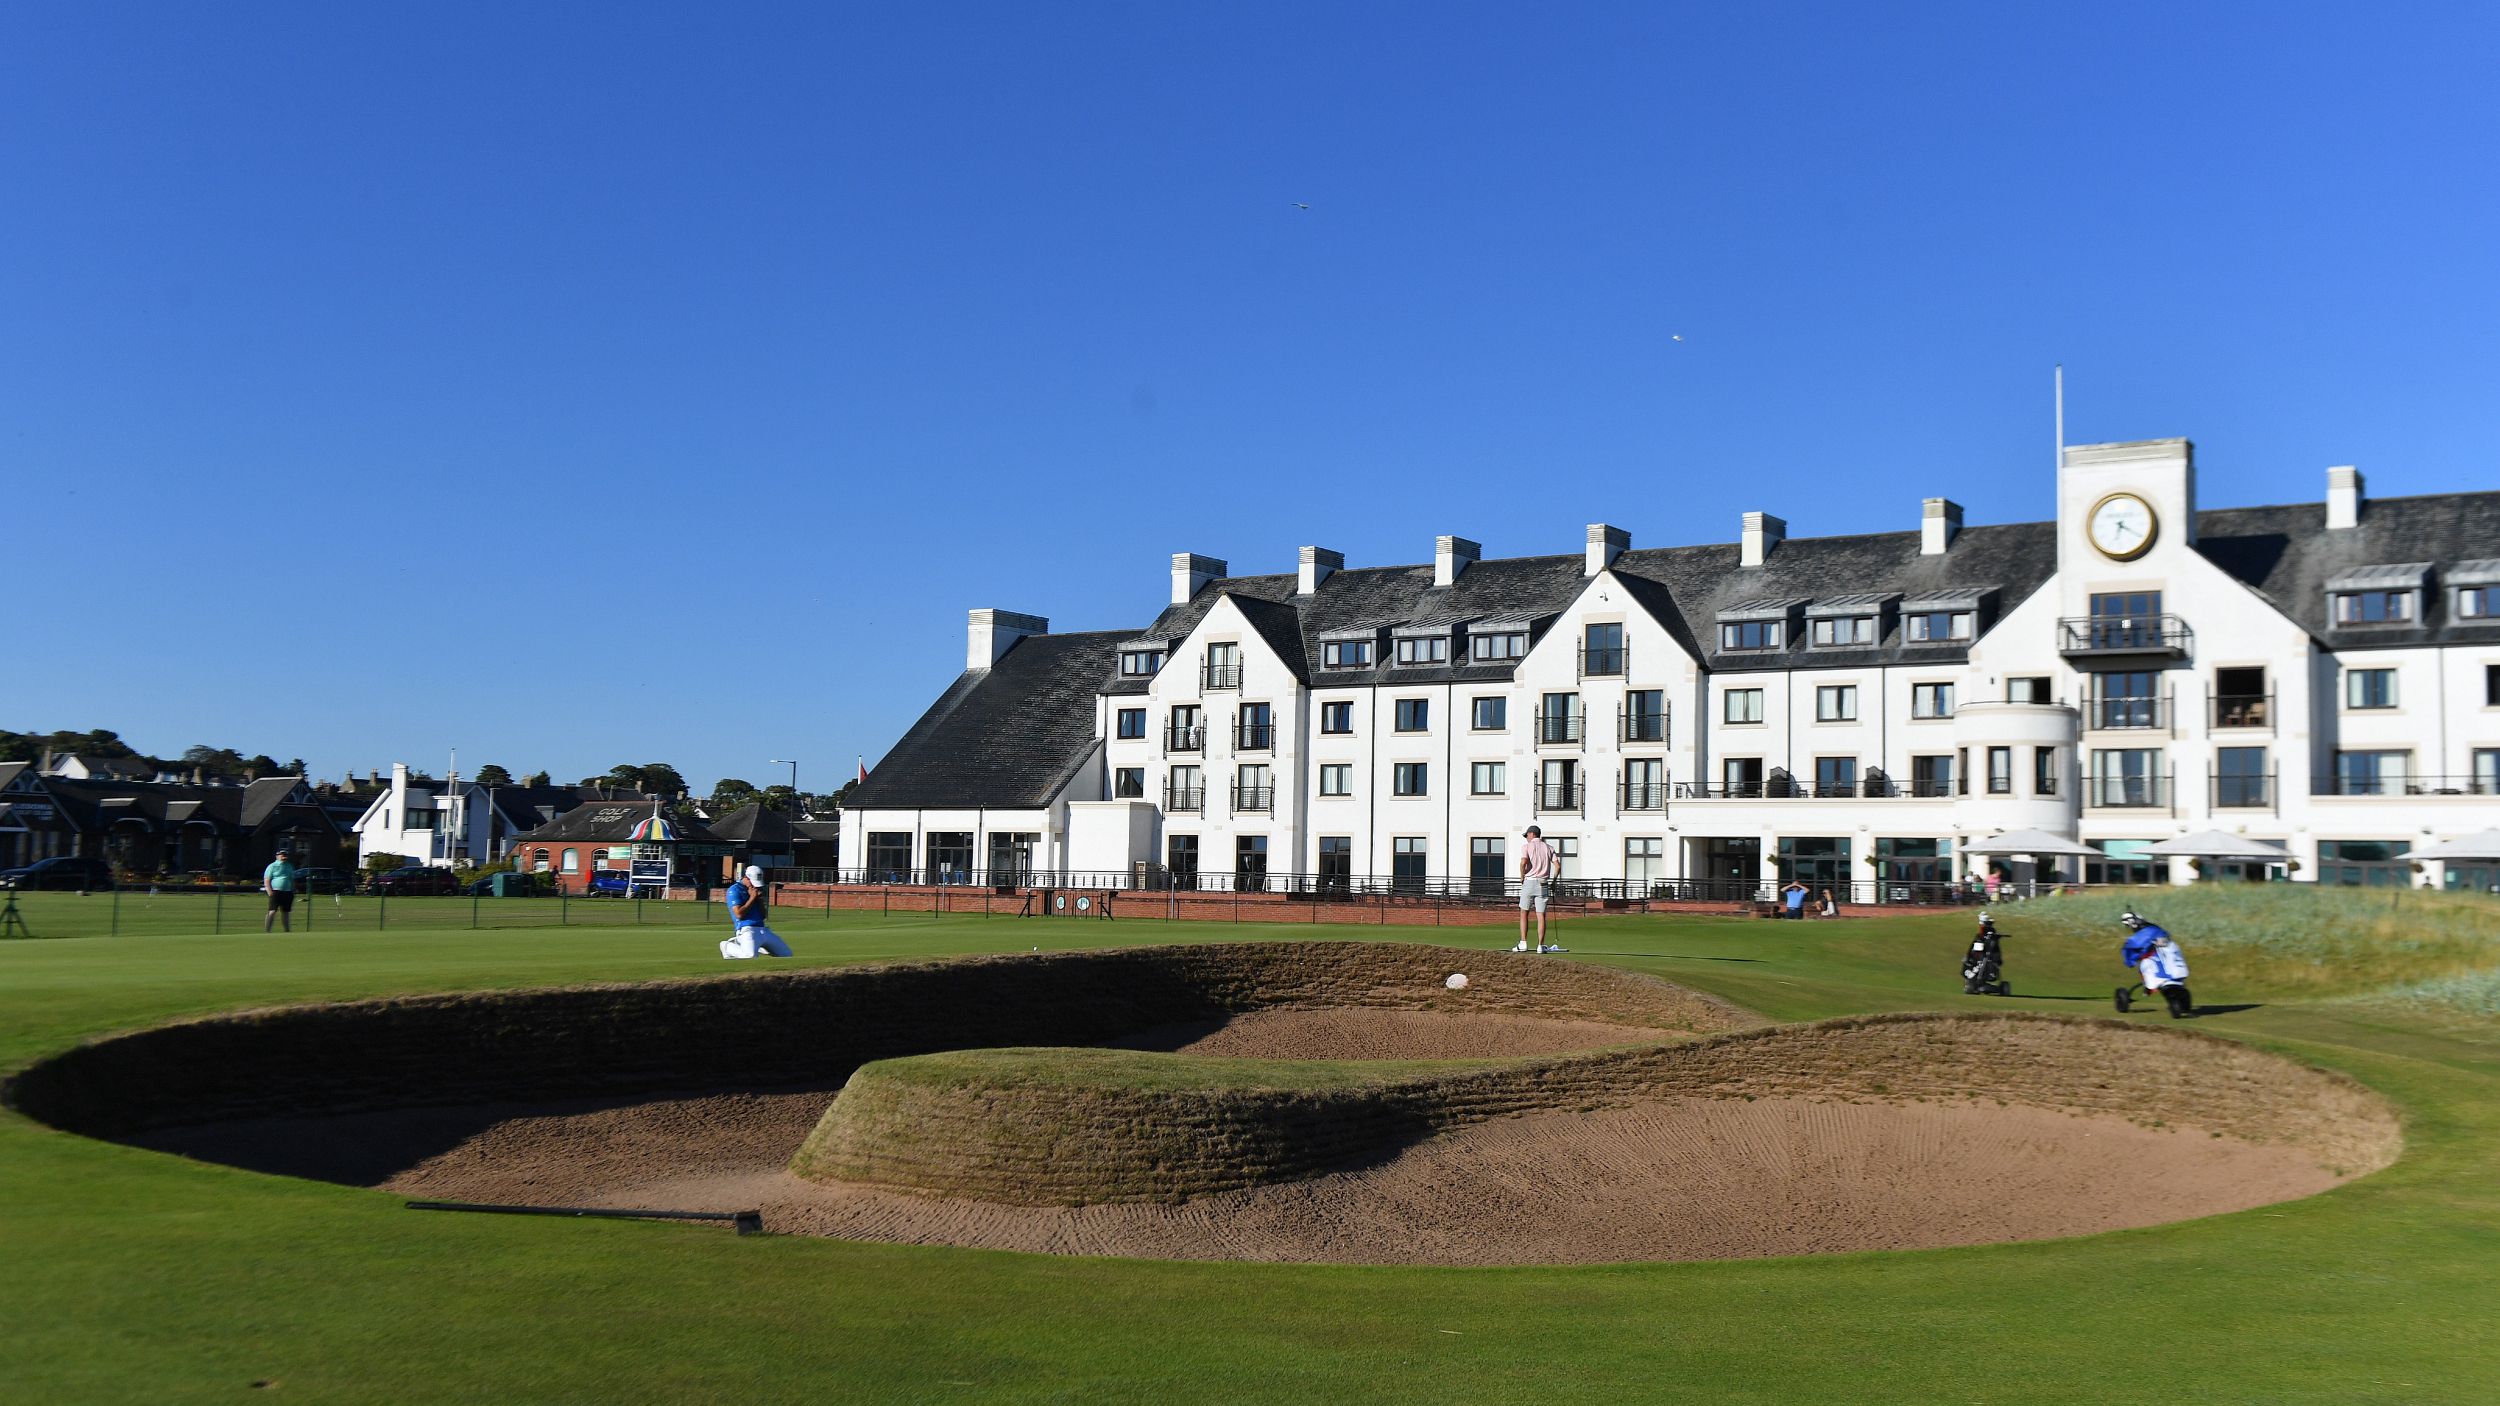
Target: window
(1182,852)
(2369,688)
(1931,776)
(1566,855)
(1414,714)
(1434,649)
(1835,776)
(1336,779)
(1645,715)
(1132,723)
(1487,778)
(572,861)
(2127,620)
(1601,652)
(2491,685)
(1409,863)
(2478,602)
(1843,630)
(2000,771)
(1336,861)
(1486,874)
(1749,634)
(1644,862)
(1741,776)
(2487,771)
(1498,648)
(1223,666)
(2125,698)
(1140,663)
(1186,735)
(1254,728)
(1644,784)
(1410,779)
(2044,771)
(950,856)
(1128,783)
(538,859)
(1936,626)
(1741,705)
(2027,690)
(1836,703)
(1345,654)
(2365,863)
(1931,700)
(1558,719)
(2239,777)
(1250,862)
(2240,698)
(2376,773)
(2127,776)
(1336,717)
(419,819)
(1184,791)
(1491,714)
(889,854)
(2373,607)
(1253,789)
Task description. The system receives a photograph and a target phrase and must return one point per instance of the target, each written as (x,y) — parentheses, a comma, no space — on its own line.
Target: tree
(294,767)
(729,793)
(493,775)
(658,778)
(781,798)
(842,798)
(215,761)
(535,778)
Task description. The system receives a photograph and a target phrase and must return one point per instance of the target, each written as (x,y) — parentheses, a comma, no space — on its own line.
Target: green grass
(131,1276)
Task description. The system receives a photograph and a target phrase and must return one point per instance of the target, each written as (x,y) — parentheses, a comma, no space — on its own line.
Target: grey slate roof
(755,826)
(611,822)
(2287,554)
(1005,737)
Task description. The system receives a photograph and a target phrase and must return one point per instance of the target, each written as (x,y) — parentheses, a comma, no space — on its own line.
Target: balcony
(2391,785)
(2240,711)
(1781,787)
(2127,792)
(1641,727)
(1185,800)
(2126,714)
(2117,636)
(1184,739)
(1253,800)
(1640,796)
(1254,737)
(2241,793)
(1567,798)
(1560,729)
(1219,676)
(1607,662)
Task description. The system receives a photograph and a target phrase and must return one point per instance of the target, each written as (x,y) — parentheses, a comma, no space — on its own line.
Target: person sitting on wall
(746,916)
(1793,898)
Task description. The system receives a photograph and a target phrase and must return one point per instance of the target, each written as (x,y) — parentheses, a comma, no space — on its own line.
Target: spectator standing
(1536,876)
(278,881)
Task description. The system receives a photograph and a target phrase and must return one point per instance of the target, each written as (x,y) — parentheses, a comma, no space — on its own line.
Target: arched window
(572,861)
(538,860)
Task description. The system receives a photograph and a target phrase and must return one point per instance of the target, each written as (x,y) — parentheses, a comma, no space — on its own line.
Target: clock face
(2121,526)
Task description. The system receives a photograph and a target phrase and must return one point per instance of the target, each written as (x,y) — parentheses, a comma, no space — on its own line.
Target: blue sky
(576,384)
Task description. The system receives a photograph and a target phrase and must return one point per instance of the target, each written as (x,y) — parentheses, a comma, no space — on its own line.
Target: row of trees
(106,744)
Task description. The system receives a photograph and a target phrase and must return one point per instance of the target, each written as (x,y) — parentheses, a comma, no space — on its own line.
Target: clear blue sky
(576,384)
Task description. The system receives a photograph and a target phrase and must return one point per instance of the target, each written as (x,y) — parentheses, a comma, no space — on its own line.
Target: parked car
(415,879)
(324,881)
(61,871)
(609,883)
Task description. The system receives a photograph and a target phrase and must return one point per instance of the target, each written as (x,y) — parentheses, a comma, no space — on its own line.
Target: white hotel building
(1716,718)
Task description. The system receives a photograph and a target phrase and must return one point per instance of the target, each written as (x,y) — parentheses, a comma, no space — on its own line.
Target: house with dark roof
(151,828)
(611,834)
(1852,712)
(455,823)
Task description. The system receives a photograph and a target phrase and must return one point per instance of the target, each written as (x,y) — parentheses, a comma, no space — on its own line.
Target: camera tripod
(12,922)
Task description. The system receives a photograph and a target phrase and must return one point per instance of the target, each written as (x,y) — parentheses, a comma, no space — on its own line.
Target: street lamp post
(794,778)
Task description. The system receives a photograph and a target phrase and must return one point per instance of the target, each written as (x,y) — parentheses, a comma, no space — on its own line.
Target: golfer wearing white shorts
(1536,873)
(746,915)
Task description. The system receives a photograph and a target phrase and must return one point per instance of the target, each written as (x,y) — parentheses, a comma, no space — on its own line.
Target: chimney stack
(1318,564)
(1762,533)
(1190,575)
(993,631)
(1452,555)
(1605,544)
(1940,521)
(2343,497)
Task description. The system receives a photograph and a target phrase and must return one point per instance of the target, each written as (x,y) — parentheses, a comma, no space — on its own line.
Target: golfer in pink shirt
(1536,875)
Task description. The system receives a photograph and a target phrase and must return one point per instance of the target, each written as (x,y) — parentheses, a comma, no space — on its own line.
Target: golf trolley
(1983,966)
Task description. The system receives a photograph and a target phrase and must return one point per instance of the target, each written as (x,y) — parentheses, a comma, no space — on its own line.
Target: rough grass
(2297,938)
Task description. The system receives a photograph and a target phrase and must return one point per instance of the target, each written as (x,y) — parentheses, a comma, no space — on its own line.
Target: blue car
(608,883)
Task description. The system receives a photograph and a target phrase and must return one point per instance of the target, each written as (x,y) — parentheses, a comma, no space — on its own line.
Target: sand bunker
(1579,1114)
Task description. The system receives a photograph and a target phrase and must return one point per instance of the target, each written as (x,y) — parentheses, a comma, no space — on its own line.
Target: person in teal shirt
(278,881)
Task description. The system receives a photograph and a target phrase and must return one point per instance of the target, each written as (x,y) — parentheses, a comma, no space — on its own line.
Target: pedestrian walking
(278,881)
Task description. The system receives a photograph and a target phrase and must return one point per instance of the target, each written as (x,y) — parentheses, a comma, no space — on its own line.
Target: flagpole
(2060,461)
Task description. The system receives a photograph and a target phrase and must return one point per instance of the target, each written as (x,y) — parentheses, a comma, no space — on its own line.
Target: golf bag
(1983,966)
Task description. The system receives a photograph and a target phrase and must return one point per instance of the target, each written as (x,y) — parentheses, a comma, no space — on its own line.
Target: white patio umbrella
(2039,844)
(2215,844)
(2485,845)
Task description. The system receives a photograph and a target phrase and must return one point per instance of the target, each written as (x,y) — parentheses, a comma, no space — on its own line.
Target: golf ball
(1457,981)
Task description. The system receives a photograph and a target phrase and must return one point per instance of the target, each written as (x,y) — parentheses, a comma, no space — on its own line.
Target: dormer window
(1498,647)
(1936,626)
(1424,649)
(1841,631)
(2378,595)
(1750,634)
(2477,584)
(2373,607)
(1345,654)
(2478,602)
(1140,663)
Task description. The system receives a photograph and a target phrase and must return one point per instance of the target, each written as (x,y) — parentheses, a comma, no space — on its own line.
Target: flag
(863,766)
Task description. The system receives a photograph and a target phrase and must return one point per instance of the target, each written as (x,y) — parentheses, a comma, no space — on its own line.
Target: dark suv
(61,871)
(416,879)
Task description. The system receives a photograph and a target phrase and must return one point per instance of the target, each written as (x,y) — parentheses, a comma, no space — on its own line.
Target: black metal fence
(1438,888)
